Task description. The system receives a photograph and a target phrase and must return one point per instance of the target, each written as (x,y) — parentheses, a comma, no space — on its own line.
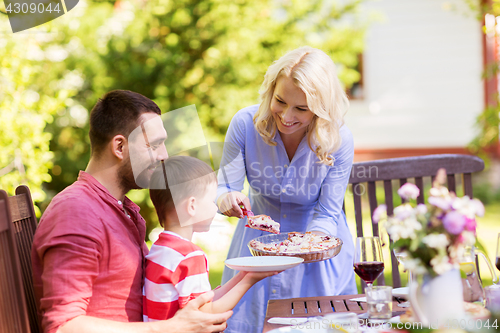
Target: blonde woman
(296,154)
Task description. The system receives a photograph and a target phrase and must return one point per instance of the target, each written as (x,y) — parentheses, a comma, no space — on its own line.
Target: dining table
(319,306)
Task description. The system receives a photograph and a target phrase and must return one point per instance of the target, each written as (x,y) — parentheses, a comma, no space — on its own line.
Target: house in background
(421,89)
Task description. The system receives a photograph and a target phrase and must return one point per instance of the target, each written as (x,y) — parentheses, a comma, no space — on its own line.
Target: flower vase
(437,300)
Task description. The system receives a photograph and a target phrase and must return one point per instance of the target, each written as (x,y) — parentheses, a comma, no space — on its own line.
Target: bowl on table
(309,256)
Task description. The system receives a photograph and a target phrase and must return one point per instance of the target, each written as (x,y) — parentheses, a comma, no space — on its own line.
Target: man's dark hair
(116,113)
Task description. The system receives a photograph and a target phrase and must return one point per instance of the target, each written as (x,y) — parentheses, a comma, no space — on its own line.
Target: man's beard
(126,177)
(129,182)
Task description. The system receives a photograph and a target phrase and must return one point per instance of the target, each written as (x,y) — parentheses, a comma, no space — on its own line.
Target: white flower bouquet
(431,237)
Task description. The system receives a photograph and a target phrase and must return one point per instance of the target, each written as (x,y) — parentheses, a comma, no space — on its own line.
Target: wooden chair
(397,171)
(23,222)
(13,311)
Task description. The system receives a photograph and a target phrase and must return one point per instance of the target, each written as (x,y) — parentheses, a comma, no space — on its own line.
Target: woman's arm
(232,172)
(329,206)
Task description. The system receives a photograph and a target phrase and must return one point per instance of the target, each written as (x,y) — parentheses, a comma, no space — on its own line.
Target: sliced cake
(263,222)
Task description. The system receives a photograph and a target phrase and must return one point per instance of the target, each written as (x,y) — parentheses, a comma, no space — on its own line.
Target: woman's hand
(229,204)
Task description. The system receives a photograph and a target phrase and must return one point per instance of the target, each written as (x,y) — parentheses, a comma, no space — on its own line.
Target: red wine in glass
(368,261)
(497,263)
(369,271)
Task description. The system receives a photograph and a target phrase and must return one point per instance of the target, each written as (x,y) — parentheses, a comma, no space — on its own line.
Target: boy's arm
(229,300)
(222,290)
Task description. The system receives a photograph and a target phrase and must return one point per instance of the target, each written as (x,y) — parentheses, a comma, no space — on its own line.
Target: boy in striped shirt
(183,191)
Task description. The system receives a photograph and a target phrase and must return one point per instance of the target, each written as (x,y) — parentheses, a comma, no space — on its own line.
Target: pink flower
(379,213)
(408,191)
(470,224)
(454,222)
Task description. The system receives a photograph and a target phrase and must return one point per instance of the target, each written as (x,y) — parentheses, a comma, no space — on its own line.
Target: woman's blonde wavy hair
(314,73)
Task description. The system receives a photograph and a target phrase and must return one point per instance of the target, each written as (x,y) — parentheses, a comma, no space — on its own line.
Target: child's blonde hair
(194,175)
(314,73)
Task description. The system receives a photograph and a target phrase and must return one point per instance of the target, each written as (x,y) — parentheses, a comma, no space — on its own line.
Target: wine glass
(368,261)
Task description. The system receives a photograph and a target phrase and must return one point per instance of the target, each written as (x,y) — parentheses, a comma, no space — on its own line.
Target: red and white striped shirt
(176,272)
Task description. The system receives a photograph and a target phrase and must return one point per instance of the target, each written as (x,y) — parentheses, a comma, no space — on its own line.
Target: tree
(27,105)
(211,53)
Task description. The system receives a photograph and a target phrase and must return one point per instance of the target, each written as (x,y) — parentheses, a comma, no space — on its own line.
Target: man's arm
(188,319)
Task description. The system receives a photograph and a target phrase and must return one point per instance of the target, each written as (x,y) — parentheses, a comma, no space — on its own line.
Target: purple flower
(421,209)
(454,222)
(470,224)
(440,203)
(408,191)
(379,213)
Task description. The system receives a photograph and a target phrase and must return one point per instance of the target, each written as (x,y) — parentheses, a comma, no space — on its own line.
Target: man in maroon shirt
(88,251)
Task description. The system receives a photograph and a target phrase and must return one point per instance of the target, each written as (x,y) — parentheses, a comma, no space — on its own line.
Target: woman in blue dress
(296,154)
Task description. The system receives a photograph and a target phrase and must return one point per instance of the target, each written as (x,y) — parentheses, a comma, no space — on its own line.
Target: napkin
(286,321)
(290,320)
(359,299)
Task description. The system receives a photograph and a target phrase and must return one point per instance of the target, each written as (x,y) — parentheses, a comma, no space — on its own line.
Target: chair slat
(356,193)
(403,181)
(372,199)
(451,183)
(19,207)
(388,197)
(467,181)
(24,240)
(23,189)
(419,182)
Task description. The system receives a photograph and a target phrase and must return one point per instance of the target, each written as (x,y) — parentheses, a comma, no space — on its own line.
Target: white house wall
(422,76)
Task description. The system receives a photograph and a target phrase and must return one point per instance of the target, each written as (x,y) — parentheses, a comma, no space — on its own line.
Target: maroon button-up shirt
(88,256)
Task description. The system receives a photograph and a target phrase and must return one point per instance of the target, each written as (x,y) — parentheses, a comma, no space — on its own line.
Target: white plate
(400,292)
(263,264)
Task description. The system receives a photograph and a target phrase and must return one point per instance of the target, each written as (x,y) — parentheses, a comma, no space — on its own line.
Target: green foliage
(211,53)
(486,193)
(27,104)
(488,121)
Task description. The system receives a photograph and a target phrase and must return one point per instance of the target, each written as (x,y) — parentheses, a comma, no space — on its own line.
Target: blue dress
(302,195)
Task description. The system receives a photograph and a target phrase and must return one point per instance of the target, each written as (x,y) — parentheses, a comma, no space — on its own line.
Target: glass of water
(379,300)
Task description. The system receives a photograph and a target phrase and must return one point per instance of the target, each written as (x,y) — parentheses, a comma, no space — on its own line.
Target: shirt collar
(87,178)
